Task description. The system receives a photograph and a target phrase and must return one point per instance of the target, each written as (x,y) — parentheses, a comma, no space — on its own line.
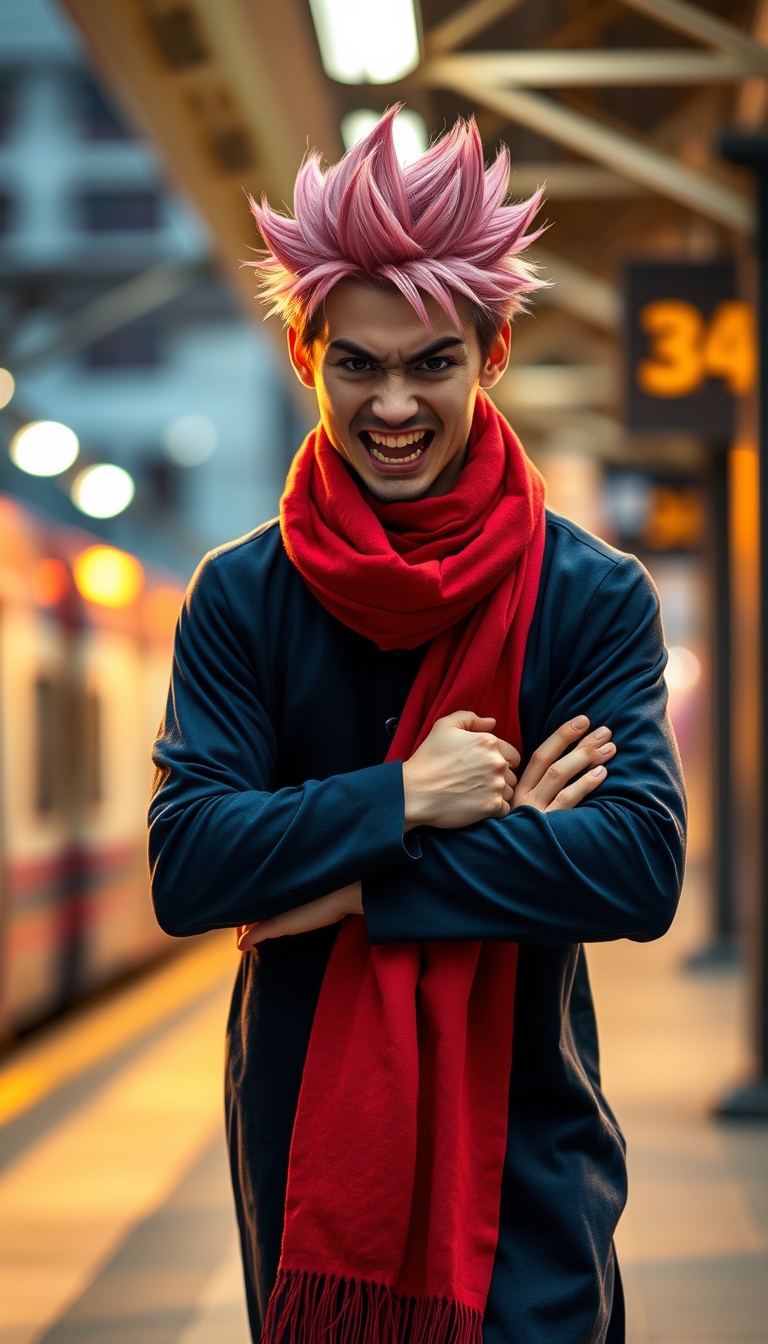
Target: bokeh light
(7,386)
(103,491)
(160,610)
(409,131)
(191,440)
(44,448)
(366,41)
(683,669)
(50,581)
(107,576)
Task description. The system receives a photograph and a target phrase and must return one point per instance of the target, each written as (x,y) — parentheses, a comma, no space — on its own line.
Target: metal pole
(721,949)
(751,1098)
(724,922)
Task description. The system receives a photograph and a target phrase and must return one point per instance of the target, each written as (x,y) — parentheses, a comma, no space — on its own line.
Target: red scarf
(394,1182)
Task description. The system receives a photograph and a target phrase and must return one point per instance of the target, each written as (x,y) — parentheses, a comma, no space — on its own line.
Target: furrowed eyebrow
(436,348)
(350,348)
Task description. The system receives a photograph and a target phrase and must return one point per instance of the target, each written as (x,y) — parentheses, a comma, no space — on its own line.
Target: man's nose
(394,402)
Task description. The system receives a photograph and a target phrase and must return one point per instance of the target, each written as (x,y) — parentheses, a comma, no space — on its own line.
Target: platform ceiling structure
(616,105)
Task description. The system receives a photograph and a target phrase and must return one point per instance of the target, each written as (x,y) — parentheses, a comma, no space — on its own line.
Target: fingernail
(600,733)
(599,771)
(608,748)
(581,721)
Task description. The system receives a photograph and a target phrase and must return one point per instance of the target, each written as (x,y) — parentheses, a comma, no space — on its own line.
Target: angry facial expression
(396,398)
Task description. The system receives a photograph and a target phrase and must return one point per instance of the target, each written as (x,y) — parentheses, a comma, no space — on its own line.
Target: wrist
(416,799)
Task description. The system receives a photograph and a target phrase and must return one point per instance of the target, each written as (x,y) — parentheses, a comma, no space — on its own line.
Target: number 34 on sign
(685,349)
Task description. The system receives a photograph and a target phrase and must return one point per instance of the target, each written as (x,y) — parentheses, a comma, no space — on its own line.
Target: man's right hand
(462,773)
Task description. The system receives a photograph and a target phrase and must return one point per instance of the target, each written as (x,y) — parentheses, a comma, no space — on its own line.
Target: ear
(301,359)
(498,357)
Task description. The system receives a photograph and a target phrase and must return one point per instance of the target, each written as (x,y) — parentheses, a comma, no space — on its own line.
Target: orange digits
(730,348)
(684,350)
(676,366)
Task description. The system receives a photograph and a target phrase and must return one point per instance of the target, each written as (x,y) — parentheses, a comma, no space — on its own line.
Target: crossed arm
(462,773)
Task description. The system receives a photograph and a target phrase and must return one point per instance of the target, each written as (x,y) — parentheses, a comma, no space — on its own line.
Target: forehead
(380,317)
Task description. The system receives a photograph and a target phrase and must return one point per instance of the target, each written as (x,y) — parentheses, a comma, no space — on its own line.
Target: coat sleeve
(611,867)
(227,846)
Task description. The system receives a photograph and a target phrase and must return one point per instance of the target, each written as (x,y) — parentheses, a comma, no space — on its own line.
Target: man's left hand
(314,915)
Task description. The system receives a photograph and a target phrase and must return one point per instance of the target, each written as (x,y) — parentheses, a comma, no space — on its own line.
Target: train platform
(116,1221)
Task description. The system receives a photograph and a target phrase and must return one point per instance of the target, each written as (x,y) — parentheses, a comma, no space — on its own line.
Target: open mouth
(397,450)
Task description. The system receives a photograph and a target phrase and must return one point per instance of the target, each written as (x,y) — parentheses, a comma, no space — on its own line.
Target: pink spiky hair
(438,227)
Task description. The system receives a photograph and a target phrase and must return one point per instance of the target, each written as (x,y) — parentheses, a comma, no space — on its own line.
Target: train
(86,637)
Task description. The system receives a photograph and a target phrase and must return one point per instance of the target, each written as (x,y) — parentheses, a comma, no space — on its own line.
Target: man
(420,1148)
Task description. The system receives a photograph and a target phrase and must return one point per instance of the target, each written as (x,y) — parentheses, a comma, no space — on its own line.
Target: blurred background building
(189,397)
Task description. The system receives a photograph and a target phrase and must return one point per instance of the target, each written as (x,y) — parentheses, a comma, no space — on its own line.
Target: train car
(86,633)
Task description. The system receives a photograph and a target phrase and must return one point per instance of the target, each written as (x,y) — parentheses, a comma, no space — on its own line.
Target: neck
(444,483)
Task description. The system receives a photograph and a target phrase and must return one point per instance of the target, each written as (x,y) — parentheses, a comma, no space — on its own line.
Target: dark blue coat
(270,791)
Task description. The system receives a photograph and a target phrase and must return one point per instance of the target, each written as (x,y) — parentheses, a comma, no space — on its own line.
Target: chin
(390,489)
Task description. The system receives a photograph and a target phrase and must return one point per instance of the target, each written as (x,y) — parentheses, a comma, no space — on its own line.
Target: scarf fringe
(310,1308)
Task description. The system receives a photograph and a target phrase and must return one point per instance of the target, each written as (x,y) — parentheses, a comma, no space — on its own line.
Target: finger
(468,720)
(573,794)
(276,927)
(556,749)
(574,763)
(511,754)
(510,777)
(477,724)
(551,750)
(246,937)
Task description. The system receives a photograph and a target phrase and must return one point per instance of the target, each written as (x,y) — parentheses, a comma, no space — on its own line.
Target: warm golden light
(50,581)
(108,577)
(683,669)
(160,611)
(7,386)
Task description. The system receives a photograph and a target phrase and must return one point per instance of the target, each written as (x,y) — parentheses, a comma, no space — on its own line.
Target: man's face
(396,398)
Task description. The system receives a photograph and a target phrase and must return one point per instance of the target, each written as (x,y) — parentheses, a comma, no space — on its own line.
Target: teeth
(399,460)
(397,440)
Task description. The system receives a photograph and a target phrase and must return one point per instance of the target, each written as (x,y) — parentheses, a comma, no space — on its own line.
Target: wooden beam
(578,292)
(704,27)
(630,158)
(571,69)
(558,386)
(466,23)
(571,182)
(227,107)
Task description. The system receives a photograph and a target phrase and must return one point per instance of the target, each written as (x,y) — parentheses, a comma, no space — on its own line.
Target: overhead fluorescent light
(366,41)
(409,131)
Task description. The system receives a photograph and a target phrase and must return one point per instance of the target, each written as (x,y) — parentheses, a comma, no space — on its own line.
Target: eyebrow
(435,348)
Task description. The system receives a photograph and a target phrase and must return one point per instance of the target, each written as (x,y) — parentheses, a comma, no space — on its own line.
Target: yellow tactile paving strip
(70,1200)
(69,1048)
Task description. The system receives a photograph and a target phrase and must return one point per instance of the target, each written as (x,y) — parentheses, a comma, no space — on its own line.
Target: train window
(94,791)
(133,347)
(99,119)
(47,746)
(120,211)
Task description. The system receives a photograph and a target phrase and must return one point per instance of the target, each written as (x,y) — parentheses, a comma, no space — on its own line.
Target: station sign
(691,348)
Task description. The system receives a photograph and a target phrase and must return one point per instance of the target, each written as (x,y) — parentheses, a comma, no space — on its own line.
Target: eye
(437,364)
(355,364)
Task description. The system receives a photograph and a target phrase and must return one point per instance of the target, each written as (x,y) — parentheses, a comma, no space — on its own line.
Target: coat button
(390,727)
